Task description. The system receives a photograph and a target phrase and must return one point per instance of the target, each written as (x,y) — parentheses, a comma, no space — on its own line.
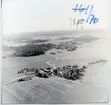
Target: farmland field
(53,91)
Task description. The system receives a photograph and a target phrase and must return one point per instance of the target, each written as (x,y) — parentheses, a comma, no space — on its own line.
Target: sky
(45,15)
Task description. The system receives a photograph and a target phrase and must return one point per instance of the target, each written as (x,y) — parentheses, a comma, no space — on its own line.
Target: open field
(94,50)
(53,91)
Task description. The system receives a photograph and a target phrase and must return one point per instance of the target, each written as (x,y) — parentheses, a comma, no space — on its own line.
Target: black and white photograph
(55,52)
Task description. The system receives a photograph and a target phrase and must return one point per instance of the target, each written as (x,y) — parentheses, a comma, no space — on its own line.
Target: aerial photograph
(45,62)
(64,68)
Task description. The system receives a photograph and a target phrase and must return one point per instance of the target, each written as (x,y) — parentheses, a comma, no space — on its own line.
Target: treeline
(37,41)
(33,50)
(98,61)
(68,45)
(39,49)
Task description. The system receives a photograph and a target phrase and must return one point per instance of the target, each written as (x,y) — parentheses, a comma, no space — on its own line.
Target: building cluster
(68,72)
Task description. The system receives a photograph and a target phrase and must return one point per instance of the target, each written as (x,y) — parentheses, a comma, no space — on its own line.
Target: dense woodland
(33,50)
(39,49)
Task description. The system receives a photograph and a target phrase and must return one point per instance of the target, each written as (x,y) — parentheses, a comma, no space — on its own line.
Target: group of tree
(33,49)
(70,72)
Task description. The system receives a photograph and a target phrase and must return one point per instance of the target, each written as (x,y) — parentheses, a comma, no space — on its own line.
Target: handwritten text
(90,18)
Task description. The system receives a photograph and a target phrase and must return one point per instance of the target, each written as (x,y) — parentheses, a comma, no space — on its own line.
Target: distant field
(80,62)
(94,50)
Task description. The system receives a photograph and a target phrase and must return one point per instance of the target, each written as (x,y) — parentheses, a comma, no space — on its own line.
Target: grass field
(52,91)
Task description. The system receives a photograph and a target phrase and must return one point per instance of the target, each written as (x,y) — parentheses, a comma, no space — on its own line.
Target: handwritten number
(87,9)
(80,21)
(94,20)
(81,9)
(75,8)
(90,13)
